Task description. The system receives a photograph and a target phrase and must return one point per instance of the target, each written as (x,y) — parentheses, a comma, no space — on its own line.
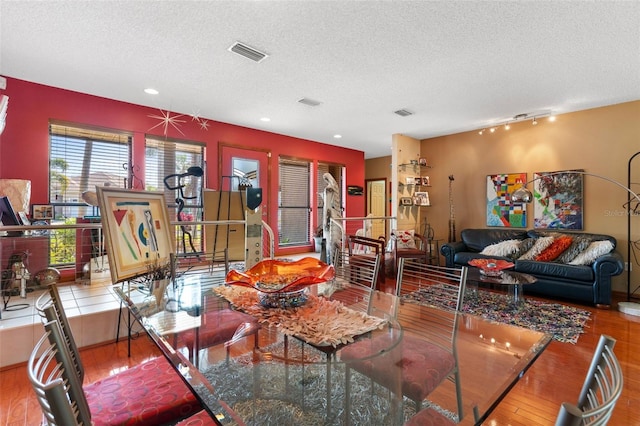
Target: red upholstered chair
(218,325)
(151,394)
(202,418)
(429,354)
(148,394)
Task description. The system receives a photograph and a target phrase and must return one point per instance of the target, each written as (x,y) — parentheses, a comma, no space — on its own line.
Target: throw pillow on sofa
(540,244)
(404,239)
(594,251)
(503,248)
(579,244)
(557,247)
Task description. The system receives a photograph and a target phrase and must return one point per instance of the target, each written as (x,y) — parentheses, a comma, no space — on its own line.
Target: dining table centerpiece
(281,283)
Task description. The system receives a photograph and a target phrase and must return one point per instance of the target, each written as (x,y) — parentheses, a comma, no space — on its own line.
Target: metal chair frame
(600,392)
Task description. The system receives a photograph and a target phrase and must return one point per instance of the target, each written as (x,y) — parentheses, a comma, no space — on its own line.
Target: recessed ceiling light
(265,119)
(337,136)
(150,91)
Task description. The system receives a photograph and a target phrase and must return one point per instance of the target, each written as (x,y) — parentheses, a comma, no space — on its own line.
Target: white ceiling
(458,66)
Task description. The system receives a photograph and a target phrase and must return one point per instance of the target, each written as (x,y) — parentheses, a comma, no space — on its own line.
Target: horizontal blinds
(294,207)
(81,158)
(164,158)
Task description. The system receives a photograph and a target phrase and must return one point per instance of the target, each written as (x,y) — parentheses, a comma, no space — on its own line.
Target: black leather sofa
(583,283)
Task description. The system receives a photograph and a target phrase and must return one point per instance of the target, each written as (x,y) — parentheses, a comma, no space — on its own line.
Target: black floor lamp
(523,195)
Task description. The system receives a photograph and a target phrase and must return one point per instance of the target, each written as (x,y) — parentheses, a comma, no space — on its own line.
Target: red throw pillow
(556,248)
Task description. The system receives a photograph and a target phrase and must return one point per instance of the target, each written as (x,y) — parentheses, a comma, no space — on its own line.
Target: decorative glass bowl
(491,267)
(277,276)
(289,299)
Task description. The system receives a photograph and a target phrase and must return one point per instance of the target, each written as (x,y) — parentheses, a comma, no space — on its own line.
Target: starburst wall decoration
(166,120)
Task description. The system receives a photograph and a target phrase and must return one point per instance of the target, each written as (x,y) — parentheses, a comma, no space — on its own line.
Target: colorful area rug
(564,322)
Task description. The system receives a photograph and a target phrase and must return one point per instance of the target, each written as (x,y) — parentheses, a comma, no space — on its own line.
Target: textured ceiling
(458,66)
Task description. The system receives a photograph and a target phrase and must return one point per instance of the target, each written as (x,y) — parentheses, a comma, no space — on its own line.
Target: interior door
(238,167)
(376,205)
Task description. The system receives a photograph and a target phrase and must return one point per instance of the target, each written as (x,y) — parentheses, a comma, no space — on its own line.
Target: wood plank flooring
(555,377)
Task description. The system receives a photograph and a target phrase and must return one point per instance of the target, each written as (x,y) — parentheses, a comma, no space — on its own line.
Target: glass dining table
(286,367)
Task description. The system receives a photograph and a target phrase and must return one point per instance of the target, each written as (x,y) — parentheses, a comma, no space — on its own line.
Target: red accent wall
(24,144)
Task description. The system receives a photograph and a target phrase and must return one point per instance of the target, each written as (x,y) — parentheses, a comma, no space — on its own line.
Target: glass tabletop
(290,369)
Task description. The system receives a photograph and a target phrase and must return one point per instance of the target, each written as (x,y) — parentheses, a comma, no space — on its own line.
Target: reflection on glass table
(289,370)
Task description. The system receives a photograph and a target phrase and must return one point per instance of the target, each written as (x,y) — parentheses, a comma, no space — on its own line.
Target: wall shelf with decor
(410,183)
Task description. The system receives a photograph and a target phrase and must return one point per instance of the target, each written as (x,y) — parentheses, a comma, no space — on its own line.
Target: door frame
(386,204)
(266,192)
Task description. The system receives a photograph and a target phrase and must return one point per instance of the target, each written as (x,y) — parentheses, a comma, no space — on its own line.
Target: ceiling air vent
(248,52)
(309,102)
(403,112)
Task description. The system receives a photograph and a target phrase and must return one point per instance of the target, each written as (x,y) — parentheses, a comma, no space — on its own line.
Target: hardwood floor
(555,377)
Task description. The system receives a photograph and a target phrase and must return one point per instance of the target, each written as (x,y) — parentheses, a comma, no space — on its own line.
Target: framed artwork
(42,211)
(426,181)
(406,201)
(421,199)
(422,161)
(410,180)
(137,231)
(501,211)
(558,200)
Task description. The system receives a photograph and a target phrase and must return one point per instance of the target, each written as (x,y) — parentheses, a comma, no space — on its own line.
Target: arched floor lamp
(523,195)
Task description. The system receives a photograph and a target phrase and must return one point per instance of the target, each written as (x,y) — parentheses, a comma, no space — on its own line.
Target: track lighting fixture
(519,117)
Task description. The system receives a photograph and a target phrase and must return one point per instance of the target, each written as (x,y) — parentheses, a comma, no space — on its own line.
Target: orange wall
(599,140)
(24,152)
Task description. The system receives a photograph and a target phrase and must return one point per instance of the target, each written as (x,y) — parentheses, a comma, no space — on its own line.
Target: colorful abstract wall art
(558,199)
(501,211)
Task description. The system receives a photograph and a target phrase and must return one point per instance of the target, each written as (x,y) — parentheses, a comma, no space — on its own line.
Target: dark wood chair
(366,249)
(418,250)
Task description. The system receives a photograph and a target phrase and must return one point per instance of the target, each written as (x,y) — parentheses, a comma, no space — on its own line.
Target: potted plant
(318,238)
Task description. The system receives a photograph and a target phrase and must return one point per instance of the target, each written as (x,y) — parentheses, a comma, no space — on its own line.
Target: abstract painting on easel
(137,231)
(501,211)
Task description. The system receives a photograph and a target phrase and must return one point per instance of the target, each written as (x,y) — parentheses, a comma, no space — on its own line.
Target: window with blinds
(81,158)
(171,160)
(294,202)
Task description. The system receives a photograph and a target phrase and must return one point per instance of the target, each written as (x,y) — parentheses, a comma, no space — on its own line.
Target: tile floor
(92,311)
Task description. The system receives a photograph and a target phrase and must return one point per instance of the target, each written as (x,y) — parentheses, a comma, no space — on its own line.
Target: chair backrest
(49,306)
(440,286)
(358,244)
(600,392)
(357,269)
(52,376)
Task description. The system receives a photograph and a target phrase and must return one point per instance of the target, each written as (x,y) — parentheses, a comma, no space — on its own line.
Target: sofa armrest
(605,267)
(449,250)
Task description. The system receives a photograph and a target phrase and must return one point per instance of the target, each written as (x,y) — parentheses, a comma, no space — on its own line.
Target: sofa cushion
(556,270)
(557,247)
(478,239)
(595,250)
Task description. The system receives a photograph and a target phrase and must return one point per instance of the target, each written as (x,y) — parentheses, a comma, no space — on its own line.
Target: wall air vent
(403,112)
(247,51)
(309,102)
